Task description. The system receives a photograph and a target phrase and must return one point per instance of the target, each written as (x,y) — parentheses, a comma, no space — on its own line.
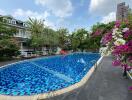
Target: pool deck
(106,83)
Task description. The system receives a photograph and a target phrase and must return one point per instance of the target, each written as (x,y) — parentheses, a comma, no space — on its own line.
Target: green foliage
(78,39)
(41,35)
(81,39)
(94,41)
(63,37)
(102,27)
(74,42)
(130,19)
(51,37)
(97,26)
(7,31)
(36,27)
(8,48)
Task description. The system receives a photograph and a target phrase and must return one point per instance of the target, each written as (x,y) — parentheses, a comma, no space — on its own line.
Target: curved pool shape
(44,75)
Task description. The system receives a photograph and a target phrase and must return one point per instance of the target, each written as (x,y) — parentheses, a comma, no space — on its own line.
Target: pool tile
(25,78)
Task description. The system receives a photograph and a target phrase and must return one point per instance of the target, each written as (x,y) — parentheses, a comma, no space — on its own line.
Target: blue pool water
(45,74)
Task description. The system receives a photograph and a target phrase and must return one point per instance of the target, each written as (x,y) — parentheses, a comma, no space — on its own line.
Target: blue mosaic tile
(43,75)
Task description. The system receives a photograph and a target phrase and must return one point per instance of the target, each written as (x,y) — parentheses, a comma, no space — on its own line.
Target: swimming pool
(44,75)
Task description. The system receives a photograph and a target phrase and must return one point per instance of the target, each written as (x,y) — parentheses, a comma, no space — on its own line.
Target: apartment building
(122,11)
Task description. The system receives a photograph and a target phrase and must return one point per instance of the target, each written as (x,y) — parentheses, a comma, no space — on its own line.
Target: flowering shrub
(97,33)
(119,43)
(107,38)
(116,63)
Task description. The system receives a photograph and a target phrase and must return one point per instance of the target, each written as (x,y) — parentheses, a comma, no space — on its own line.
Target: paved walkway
(106,83)
(7,62)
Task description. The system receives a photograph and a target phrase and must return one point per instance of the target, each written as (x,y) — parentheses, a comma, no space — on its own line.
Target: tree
(74,42)
(98,31)
(97,26)
(8,48)
(8,45)
(102,28)
(63,37)
(78,39)
(36,27)
(81,36)
(41,35)
(51,37)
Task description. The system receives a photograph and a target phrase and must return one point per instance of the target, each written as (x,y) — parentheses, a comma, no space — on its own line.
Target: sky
(70,14)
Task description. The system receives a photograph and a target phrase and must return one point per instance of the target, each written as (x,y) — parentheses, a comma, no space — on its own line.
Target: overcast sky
(71,14)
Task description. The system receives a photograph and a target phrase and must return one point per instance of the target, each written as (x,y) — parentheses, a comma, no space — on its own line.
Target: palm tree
(41,35)
(36,27)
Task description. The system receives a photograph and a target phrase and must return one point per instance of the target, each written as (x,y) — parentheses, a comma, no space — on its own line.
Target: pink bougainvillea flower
(107,38)
(127,34)
(130,88)
(129,67)
(97,33)
(117,24)
(121,52)
(122,49)
(129,43)
(129,59)
(124,66)
(116,63)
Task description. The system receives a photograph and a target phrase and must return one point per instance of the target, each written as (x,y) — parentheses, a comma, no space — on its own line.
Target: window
(13,22)
(9,21)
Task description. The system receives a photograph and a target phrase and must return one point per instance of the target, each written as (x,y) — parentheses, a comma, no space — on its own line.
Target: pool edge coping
(57,92)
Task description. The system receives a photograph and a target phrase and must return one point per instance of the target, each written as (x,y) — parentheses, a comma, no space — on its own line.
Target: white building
(22,35)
